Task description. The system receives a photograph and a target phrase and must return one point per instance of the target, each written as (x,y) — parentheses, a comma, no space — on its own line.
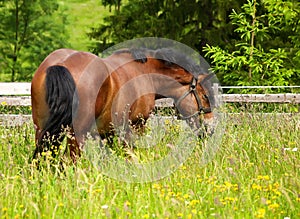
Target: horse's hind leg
(37,149)
(76,137)
(74,146)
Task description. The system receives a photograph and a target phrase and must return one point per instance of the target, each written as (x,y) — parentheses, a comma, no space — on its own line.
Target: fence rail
(18,94)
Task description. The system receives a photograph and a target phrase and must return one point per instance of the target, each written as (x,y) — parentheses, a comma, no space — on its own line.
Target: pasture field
(255,174)
(82,16)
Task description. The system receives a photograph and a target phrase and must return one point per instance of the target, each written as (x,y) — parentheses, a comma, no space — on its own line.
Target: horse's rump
(61,97)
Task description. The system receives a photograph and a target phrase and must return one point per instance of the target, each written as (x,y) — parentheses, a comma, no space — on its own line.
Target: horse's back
(71,59)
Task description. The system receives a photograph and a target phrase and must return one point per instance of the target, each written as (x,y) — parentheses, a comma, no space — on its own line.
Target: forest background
(247,42)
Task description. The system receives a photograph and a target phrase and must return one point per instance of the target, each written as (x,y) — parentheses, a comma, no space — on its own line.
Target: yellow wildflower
(97,191)
(194,202)
(171,193)
(227,184)
(235,187)
(186,196)
(265,177)
(273,206)
(145,216)
(276,185)
(156,186)
(277,193)
(183,167)
(268,202)
(261,213)
(178,194)
(179,215)
(256,187)
(230,199)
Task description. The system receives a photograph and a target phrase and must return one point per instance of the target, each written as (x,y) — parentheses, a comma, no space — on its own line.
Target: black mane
(172,57)
(139,55)
(168,57)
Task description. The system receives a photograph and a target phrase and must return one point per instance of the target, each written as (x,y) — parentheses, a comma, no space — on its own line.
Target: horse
(74,89)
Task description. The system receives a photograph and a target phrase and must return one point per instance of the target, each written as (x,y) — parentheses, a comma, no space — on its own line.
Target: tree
(256,44)
(268,50)
(191,22)
(29,30)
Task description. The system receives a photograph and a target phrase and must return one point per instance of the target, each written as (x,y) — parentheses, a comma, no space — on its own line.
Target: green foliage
(256,44)
(8,109)
(29,30)
(262,55)
(266,108)
(192,22)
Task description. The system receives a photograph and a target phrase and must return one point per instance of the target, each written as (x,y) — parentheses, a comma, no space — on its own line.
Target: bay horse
(74,89)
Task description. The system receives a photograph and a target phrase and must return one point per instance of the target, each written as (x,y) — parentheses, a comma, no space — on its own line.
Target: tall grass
(255,174)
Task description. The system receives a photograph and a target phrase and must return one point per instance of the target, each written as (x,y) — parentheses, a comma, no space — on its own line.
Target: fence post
(216,94)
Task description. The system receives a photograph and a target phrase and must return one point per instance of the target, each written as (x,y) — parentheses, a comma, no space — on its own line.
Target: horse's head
(175,75)
(194,98)
(196,103)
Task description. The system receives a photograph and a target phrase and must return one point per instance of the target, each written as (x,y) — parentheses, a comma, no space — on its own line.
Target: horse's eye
(205,96)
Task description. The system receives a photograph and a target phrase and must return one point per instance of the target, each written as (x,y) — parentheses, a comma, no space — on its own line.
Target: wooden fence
(15,94)
(18,94)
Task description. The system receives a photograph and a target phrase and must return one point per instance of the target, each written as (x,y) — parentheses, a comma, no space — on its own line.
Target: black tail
(61,97)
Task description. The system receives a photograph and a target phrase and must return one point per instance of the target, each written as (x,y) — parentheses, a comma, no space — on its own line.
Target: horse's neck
(166,86)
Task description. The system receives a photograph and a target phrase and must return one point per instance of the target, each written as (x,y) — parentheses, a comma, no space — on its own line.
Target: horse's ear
(204,77)
(182,76)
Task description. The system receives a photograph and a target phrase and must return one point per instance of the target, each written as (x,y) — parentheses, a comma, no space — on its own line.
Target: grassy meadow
(255,174)
(82,16)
